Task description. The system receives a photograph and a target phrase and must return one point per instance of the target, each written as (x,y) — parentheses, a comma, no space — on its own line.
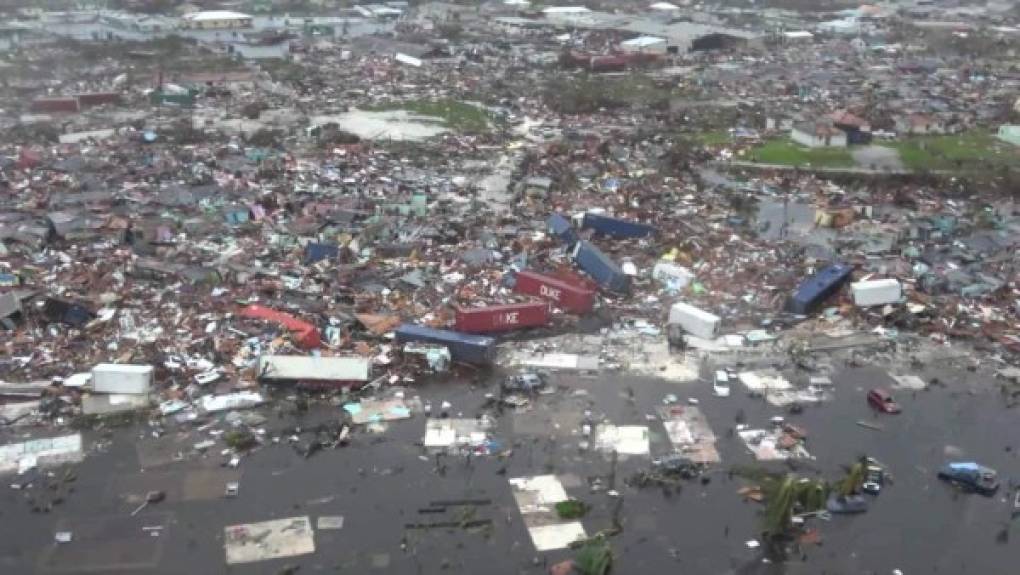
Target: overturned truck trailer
(465,348)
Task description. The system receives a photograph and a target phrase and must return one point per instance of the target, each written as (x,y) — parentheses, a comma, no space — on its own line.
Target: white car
(721,385)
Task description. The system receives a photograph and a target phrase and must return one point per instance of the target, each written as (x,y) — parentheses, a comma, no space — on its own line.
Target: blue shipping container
(813,291)
(560,227)
(477,349)
(317,252)
(602,269)
(616,227)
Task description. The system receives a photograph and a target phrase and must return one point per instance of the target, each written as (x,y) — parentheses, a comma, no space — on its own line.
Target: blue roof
(965,466)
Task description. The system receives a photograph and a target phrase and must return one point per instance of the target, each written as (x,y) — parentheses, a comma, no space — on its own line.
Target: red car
(883,401)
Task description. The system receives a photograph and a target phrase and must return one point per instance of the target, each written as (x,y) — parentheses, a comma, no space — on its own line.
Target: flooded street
(380,482)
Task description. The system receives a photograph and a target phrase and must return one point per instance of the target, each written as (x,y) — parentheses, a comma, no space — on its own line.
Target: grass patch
(453,114)
(785,152)
(571,509)
(715,138)
(969,151)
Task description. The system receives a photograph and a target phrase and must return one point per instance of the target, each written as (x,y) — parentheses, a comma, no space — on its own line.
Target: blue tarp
(315,252)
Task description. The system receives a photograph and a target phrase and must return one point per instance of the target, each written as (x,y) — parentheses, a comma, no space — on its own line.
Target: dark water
(379,482)
(779,220)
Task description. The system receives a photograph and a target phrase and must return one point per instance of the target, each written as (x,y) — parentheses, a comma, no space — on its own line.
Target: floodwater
(379,483)
(397,125)
(778,219)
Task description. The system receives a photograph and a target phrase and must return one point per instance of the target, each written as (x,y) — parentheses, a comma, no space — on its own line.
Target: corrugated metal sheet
(309,368)
(306,335)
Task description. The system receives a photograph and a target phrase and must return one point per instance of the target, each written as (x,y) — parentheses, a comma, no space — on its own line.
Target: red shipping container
(574,297)
(306,335)
(62,104)
(569,276)
(98,98)
(496,318)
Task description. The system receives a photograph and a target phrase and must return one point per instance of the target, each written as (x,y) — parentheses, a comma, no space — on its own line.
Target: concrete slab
(690,433)
(623,439)
(911,382)
(46,452)
(458,435)
(766,445)
(251,542)
(536,497)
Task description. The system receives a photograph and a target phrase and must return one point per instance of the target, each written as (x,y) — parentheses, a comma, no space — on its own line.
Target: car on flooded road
(525,382)
(883,401)
(874,478)
(721,385)
(970,476)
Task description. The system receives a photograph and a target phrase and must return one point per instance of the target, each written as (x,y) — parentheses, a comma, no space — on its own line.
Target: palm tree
(594,558)
(787,495)
(855,476)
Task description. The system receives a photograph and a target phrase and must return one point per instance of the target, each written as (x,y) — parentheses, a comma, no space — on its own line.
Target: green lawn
(785,152)
(455,115)
(974,150)
(715,138)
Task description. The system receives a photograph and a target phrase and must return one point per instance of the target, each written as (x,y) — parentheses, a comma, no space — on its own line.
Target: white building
(216,20)
(1009,134)
(664,7)
(646,44)
(565,10)
(818,135)
(798,36)
(378,11)
(845,27)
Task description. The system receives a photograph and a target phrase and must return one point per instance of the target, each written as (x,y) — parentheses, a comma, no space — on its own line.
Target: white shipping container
(121,378)
(694,321)
(876,292)
(308,368)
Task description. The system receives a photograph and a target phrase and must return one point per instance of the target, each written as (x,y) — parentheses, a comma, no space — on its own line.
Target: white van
(721,385)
